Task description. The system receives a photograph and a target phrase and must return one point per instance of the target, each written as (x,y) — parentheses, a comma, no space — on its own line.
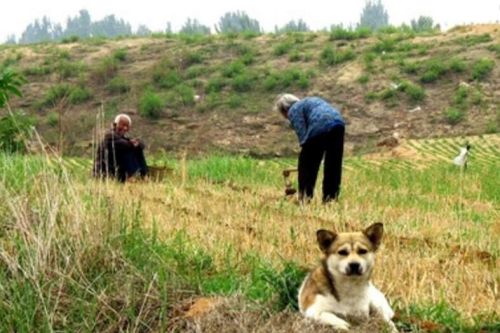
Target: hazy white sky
(17,14)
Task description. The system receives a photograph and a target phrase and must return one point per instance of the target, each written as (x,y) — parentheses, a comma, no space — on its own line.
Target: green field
(77,255)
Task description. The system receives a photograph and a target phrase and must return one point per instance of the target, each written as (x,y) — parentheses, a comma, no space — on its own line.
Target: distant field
(81,255)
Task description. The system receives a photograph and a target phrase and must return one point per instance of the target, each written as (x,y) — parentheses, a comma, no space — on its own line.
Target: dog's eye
(362,251)
(343,252)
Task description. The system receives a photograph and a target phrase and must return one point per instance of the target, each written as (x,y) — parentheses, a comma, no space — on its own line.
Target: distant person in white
(461,158)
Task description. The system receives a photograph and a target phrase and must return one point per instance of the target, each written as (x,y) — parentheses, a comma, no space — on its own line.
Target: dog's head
(351,254)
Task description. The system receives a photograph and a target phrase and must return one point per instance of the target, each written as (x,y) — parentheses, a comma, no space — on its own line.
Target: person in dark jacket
(119,156)
(320,129)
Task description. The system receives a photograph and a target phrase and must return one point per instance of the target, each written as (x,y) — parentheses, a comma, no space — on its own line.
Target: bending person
(119,156)
(320,129)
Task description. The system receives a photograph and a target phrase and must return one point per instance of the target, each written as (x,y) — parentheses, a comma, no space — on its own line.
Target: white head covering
(123,115)
(284,102)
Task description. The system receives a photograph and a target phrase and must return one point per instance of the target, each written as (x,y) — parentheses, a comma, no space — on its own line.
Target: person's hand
(135,142)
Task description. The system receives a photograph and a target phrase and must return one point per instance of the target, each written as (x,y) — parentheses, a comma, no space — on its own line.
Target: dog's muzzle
(354,268)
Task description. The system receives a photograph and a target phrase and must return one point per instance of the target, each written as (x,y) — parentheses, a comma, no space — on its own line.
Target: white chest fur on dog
(340,288)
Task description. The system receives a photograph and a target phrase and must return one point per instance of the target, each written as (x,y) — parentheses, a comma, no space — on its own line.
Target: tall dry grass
(85,255)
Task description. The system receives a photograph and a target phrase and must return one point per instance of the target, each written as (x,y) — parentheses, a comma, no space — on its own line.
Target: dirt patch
(350,73)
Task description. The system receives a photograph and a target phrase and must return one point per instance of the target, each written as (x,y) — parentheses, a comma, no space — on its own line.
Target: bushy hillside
(209,93)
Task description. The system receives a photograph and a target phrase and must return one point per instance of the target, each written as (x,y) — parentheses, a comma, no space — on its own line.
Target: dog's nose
(354,268)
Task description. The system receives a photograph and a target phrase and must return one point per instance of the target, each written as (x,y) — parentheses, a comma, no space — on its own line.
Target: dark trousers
(331,146)
(130,162)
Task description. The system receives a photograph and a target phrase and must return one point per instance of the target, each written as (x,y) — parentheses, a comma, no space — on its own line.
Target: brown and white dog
(340,288)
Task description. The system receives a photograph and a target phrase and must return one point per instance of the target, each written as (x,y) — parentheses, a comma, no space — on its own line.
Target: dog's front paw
(342,325)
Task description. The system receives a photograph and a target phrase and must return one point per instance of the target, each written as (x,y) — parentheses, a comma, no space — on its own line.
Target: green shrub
(233,69)
(368,59)
(52,119)
(434,69)
(287,78)
(15,131)
(294,76)
(212,101)
(195,71)
(150,105)
(482,68)
(413,91)
(330,57)
(60,55)
(476,98)
(460,98)
(388,94)
(55,94)
(410,67)
(270,83)
(458,65)
(282,48)
(120,55)
(454,115)
(215,85)
(364,78)
(248,58)
(242,82)
(186,94)
(192,58)
(38,70)
(166,78)
(105,70)
(471,40)
(79,95)
(495,48)
(294,56)
(241,49)
(234,101)
(385,45)
(118,85)
(67,69)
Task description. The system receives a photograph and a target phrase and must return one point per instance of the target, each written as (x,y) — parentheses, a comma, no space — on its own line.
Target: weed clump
(482,68)
(330,56)
(150,105)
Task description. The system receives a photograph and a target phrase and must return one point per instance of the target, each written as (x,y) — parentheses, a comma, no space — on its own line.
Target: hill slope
(216,92)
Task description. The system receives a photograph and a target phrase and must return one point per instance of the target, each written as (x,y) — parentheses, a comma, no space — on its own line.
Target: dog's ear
(325,239)
(374,234)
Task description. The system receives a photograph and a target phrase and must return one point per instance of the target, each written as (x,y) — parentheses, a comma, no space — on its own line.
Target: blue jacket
(313,116)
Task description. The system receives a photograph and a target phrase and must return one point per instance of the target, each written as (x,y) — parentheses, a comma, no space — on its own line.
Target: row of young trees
(374,16)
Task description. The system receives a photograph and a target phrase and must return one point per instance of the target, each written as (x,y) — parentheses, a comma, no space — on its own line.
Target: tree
(168,30)
(11,40)
(79,25)
(292,26)
(193,27)
(237,22)
(41,31)
(111,27)
(374,16)
(143,30)
(423,24)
